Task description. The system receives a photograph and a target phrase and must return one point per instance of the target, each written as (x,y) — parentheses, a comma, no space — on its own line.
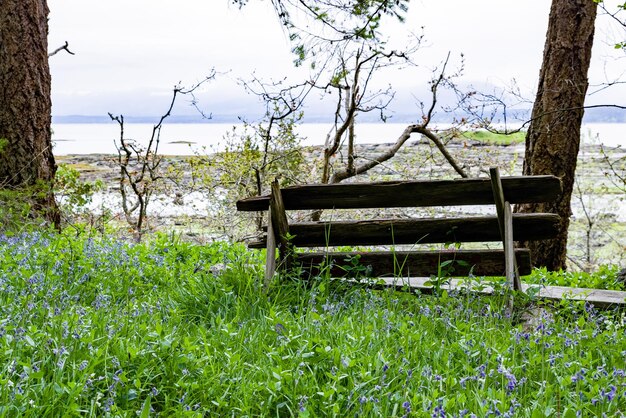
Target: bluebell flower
(115,361)
(481,370)
(610,395)
(303,401)
(407,406)
(579,375)
(439,412)
(511,383)
(108,403)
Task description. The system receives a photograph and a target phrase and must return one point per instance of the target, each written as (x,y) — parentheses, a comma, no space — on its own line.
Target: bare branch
(61,48)
(143,180)
(614,15)
(344,174)
(422,129)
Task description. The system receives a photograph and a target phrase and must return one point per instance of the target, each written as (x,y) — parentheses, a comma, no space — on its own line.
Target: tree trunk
(553,137)
(25,107)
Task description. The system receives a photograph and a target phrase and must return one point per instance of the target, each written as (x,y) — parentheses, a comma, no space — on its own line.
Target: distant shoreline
(191,138)
(590,117)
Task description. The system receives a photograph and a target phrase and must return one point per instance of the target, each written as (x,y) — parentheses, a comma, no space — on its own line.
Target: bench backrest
(478,191)
(524,189)
(518,189)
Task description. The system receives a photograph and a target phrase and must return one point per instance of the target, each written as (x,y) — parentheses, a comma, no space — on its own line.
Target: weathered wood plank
(597,297)
(512,270)
(413,263)
(527,227)
(505,221)
(270,256)
(498,197)
(280,225)
(520,189)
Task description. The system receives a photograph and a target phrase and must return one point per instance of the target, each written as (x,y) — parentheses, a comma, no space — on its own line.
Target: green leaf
(537,413)
(569,413)
(29,340)
(145,409)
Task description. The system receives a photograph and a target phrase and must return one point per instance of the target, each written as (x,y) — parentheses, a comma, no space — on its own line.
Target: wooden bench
(505,226)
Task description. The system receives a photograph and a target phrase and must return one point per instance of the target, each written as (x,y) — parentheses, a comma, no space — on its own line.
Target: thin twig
(61,48)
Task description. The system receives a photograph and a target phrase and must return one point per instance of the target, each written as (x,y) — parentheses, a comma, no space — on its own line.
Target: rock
(534,318)
(217,269)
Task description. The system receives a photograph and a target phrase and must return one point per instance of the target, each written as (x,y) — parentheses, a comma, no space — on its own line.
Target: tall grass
(106,328)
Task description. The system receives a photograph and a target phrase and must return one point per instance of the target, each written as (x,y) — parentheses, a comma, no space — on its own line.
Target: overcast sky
(129,54)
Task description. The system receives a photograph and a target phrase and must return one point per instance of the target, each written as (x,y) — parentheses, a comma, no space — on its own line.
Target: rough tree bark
(553,137)
(25,107)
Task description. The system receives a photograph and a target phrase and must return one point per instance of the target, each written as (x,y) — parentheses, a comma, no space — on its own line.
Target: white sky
(129,54)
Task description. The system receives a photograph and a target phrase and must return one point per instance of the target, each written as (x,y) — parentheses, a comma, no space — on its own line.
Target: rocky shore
(599,214)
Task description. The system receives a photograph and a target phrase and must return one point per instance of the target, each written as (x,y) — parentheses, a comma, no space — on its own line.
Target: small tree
(140,166)
(248,159)
(354,105)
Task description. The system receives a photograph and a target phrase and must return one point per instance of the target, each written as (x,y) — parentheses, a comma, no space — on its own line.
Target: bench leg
(505,220)
(512,274)
(270,257)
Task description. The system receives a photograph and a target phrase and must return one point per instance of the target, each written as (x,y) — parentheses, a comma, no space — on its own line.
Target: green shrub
(604,278)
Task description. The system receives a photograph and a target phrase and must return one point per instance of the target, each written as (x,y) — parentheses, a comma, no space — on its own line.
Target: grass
(100,327)
(492,138)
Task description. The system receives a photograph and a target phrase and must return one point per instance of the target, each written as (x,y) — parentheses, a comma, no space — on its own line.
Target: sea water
(191,138)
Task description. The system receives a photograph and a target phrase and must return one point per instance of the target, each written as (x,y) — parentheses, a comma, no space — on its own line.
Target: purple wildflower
(438,411)
(303,400)
(610,395)
(407,406)
(481,370)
